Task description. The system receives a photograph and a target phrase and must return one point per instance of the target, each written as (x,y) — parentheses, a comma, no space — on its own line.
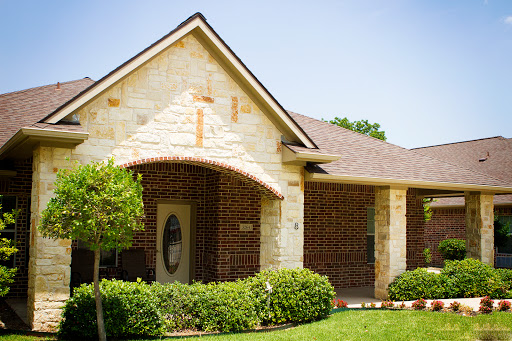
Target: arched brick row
(264,188)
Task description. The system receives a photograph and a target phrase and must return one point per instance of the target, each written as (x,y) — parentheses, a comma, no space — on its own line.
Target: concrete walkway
(355,296)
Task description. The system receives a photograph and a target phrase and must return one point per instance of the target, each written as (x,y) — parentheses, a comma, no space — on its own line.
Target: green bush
(472,278)
(225,306)
(452,249)
(298,295)
(419,283)
(129,310)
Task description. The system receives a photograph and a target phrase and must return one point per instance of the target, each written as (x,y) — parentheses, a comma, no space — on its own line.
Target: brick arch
(264,188)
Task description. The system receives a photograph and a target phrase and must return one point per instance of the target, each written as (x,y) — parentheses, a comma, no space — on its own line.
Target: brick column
(480,226)
(49,265)
(390,237)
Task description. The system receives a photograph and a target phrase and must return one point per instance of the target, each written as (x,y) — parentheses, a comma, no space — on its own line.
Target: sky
(429,72)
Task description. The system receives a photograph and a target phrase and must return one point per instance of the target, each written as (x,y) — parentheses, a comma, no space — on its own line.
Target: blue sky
(429,72)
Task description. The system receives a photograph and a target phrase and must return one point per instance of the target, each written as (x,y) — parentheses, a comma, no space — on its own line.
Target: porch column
(480,226)
(390,237)
(49,264)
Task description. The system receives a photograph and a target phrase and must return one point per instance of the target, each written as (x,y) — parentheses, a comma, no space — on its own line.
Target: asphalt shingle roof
(364,156)
(27,107)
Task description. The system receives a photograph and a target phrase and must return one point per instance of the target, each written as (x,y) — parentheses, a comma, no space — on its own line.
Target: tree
(101,205)
(362,127)
(7,248)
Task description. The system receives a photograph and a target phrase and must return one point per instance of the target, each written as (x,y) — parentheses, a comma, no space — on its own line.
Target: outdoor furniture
(134,266)
(82,267)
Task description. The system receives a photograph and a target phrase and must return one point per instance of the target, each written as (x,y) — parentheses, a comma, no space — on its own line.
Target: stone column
(480,226)
(390,237)
(49,264)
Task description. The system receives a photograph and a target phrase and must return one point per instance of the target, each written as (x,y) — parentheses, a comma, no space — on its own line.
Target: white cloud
(508,20)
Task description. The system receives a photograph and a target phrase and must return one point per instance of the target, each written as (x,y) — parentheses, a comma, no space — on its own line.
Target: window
(8,203)
(108,258)
(506,221)
(370,235)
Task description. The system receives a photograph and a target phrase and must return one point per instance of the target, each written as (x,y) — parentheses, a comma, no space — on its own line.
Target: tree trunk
(99,307)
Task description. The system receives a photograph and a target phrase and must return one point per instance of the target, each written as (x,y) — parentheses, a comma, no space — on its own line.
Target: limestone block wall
(390,237)
(183,103)
(480,226)
(49,265)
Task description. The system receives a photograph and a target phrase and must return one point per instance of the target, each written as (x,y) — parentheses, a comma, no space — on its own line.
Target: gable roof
(491,155)
(368,160)
(197,26)
(27,107)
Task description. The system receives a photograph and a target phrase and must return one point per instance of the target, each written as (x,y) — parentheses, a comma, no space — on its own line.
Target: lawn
(378,325)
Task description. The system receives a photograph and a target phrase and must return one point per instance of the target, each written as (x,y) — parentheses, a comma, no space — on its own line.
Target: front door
(173,243)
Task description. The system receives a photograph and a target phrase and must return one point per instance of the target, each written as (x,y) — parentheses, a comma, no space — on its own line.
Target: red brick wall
(449,223)
(223,252)
(20,186)
(335,232)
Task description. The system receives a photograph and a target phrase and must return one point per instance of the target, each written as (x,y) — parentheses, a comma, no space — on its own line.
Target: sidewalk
(355,296)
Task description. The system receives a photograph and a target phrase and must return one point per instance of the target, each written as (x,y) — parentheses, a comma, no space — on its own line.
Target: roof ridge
(450,143)
(43,86)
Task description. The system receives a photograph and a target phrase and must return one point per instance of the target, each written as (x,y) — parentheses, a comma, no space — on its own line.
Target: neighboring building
(251,185)
(491,156)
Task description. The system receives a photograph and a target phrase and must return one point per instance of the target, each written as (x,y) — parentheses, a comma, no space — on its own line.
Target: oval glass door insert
(171,244)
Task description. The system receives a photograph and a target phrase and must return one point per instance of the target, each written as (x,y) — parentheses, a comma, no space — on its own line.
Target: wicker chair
(134,266)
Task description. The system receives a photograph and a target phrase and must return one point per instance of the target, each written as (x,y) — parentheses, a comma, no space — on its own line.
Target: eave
(291,157)
(20,146)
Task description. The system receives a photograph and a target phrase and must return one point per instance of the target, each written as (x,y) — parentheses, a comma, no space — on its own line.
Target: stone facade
(49,265)
(390,237)
(480,226)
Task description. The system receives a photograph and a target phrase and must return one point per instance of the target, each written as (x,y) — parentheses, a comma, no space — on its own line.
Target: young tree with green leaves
(361,126)
(100,204)
(7,248)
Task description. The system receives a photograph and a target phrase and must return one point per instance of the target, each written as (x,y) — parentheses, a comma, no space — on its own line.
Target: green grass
(378,325)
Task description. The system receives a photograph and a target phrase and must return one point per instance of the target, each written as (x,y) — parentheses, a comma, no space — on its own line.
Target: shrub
(472,278)
(402,305)
(223,306)
(437,305)
(452,249)
(503,305)
(486,305)
(129,310)
(297,295)
(415,284)
(373,305)
(427,254)
(455,306)
(387,304)
(419,304)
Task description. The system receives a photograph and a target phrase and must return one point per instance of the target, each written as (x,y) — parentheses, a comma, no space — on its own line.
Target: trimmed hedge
(459,278)
(298,295)
(129,309)
(140,309)
(452,249)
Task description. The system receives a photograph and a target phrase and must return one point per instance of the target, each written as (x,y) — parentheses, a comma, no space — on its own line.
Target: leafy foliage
(427,255)
(98,203)
(130,310)
(7,248)
(362,127)
(452,249)
(459,278)
(298,295)
(427,210)
(501,234)
(226,306)
(418,283)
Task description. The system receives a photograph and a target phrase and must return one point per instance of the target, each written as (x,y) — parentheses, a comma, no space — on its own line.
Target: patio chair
(134,266)
(82,267)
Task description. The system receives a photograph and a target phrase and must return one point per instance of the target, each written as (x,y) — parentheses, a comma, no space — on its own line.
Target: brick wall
(223,202)
(20,186)
(450,223)
(335,232)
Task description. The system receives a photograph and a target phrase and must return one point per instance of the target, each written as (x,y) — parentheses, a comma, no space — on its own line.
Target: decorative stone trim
(266,190)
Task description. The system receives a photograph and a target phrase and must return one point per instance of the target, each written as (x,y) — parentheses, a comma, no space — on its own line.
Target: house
(233,183)
(491,156)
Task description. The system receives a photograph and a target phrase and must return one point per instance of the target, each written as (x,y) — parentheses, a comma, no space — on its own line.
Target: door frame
(193,221)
